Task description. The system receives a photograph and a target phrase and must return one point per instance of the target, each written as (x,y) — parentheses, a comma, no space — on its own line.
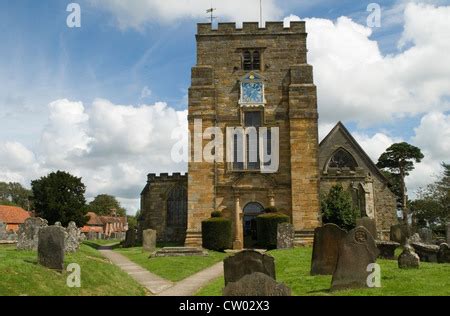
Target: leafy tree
(432,208)
(15,194)
(59,197)
(132,222)
(105,204)
(337,208)
(399,160)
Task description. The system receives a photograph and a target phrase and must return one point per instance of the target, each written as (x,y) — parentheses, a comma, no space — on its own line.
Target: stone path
(192,284)
(159,286)
(150,281)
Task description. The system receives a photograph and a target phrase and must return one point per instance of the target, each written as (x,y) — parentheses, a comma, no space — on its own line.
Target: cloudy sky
(102,101)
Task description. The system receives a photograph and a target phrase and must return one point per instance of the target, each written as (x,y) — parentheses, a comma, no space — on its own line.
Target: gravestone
(149,240)
(356,251)
(398,233)
(387,249)
(3,233)
(285,236)
(427,253)
(248,262)
(426,235)
(256,284)
(326,249)
(28,234)
(91,235)
(51,247)
(72,242)
(408,259)
(443,254)
(130,239)
(368,224)
(415,238)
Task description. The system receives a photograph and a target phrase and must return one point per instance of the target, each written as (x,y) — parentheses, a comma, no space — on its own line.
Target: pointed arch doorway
(251,211)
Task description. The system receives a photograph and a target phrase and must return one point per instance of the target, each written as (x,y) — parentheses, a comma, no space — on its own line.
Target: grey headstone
(149,240)
(27,238)
(247,262)
(72,242)
(426,235)
(51,247)
(415,238)
(256,284)
(285,236)
(387,249)
(398,233)
(368,224)
(3,234)
(443,254)
(326,248)
(408,259)
(356,251)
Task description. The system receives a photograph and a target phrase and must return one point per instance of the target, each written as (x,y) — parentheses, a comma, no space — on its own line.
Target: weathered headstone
(368,224)
(285,236)
(72,242)
(28,237)
(3,233)
(408,259)
(427,253)
(356,251)
(426,235)
(130,239)
(326,249)
(51,247)
(149,240)
(398,233)
(256,284)
(443,254)
(415,238)
(247,262)
(387,249)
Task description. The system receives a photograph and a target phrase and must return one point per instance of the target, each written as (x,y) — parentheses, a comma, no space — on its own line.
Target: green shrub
(270,209)
(266,226)
(337,208)
(216,214)
(216,234)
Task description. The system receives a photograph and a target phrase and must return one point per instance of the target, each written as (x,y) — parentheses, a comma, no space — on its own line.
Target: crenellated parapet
(251,28)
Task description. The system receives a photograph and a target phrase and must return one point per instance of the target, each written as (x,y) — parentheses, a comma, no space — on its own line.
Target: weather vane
(211,12)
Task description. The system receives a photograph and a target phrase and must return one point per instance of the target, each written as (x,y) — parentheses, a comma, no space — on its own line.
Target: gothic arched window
(342,159)
(256,60)
(247,60)
(177,207)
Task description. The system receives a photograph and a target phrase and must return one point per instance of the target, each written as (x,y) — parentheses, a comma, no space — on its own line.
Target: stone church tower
(253,77)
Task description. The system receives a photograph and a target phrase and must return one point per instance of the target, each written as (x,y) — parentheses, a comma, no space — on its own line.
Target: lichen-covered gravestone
(149,240)
(398,233)
(368,224)
(51,247)
(444,253)
(248,262)
(28,233)
(356,251)
(426,235)
(256,284)
(325,249)
(72,242)
(408,259)
(3,234)
(285,236)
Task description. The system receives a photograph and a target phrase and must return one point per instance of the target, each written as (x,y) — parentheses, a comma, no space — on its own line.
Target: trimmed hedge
(216,234)
(266,226)
(216,214)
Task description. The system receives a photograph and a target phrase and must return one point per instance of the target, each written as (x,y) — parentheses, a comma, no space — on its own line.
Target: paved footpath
(159,286)
(152,282)
(192,284)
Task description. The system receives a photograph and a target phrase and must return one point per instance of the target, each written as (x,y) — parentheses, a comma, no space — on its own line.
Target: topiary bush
(216,214)
(266,226)
(337,208)
(216,234)
(271,209)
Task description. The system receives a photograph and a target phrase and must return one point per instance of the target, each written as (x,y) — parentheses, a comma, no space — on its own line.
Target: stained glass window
(342,159)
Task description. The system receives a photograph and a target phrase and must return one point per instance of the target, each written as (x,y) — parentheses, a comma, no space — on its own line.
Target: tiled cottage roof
(13,214)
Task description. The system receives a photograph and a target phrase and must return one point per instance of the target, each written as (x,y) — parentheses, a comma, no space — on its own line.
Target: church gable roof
(334,139)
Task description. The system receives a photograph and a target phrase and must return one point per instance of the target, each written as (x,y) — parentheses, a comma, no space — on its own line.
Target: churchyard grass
(171,268)
(293,267)
(21,275)
(95,243)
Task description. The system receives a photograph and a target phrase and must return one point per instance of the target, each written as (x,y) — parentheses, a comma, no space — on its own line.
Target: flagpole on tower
(260,14)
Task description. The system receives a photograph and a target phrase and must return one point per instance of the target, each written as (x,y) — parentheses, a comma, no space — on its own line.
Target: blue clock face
(252,92)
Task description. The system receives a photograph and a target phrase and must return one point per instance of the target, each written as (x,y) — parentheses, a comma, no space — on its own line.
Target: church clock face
(252,90)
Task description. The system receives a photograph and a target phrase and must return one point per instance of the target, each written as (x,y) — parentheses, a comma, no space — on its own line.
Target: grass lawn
(292,268)
(171,268)
(95,243)
(21,275)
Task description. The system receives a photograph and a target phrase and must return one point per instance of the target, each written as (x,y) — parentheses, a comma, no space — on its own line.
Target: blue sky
(118,54)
